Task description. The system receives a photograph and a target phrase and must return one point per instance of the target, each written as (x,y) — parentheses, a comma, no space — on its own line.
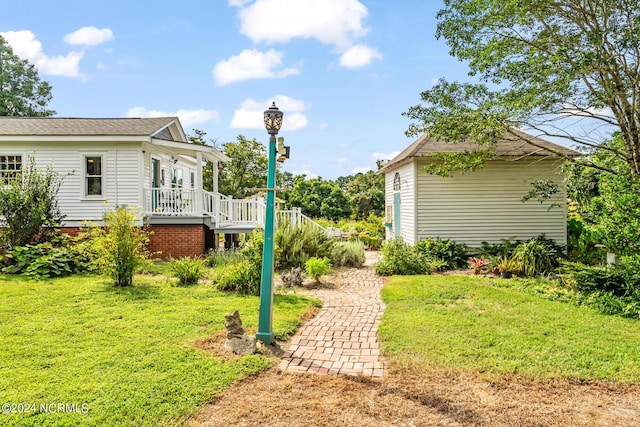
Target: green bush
(243,277)
(538,256)
(621,280)
(581,243)
(316,267)
(497,250)
(29,205)
(188,270)
(454,255)
(400,258)
(295,244)
(348,254)
(57,258)
(223,258)
(120,247)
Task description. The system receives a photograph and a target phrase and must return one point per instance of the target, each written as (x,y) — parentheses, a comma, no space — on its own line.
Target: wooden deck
(220,212)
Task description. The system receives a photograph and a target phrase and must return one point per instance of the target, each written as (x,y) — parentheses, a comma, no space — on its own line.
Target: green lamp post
(272,122)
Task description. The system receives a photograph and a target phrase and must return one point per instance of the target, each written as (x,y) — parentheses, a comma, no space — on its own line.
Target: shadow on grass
(443,405)
(136,292)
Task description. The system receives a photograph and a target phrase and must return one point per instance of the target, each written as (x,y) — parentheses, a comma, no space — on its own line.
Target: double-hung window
(93,175)
(10,168)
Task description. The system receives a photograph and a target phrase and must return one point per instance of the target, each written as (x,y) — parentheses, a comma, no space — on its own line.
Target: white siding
(121,172)
(407,174)
(485,205)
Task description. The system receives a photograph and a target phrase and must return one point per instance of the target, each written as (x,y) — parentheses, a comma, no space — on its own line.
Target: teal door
(396,214)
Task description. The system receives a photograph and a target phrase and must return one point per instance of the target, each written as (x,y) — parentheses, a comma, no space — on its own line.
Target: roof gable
(513,144)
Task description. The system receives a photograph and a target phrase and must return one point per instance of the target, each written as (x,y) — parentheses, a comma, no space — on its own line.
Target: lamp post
(272,122)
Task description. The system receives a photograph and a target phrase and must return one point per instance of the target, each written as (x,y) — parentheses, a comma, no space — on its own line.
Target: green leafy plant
(242,277)
(188,270)
(120,247)
(29,205)
(295,244)
(507,266)
(56,258)
(348,254)
(453,254)
(223,258)
(400,258)
(538,256)
(316,267)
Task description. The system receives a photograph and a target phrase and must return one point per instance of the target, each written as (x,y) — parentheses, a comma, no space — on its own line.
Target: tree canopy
(22,93)
(542,65)
(247,171)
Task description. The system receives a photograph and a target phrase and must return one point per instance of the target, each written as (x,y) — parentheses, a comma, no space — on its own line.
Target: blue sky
(342,71)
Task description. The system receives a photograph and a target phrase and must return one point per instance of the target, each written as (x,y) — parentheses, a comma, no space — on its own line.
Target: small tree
(29,204)
(120,247)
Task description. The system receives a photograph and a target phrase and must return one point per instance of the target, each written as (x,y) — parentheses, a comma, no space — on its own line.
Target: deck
(219,212)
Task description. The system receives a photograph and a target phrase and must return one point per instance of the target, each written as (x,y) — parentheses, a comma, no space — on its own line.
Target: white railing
(171,201)
(224,210)
(295,217)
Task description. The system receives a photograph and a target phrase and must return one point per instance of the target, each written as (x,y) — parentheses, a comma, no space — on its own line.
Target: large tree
(366,194)
(22,93)
(246,174)
(542,65)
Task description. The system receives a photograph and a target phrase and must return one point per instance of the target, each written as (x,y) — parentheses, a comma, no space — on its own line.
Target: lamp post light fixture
(272,122)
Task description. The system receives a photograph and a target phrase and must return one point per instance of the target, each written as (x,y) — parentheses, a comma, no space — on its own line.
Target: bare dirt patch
(419,399)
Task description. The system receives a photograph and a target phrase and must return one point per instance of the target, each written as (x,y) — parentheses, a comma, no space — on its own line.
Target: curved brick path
(342,339)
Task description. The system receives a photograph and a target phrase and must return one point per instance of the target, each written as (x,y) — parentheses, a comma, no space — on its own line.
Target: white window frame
(85,190)
(22,162)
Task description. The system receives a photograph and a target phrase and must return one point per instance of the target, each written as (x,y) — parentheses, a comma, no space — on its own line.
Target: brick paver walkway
(342,339)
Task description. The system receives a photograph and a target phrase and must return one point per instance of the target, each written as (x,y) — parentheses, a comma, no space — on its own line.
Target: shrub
(348,254)
(223,258)
(243,277)
(187,270)
(538,256)
(119,246)
(29,205)
(479,265)
(56,258)
(295,244)
(503,249)
(316,267)
(453,254)
(400,258)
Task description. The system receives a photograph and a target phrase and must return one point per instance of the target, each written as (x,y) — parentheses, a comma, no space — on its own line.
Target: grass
(466,323)
(127,353)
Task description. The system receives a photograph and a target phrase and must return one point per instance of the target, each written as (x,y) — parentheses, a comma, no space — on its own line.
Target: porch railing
(225,211)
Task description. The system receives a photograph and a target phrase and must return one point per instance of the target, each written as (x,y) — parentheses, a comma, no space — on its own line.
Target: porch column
(215,175)
(199,195)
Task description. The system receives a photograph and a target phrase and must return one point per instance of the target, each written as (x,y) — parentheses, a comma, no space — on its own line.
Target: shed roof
(513,144)
(60,126)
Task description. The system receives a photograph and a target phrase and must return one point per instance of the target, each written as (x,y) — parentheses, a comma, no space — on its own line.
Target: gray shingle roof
(513,144)
(54,126)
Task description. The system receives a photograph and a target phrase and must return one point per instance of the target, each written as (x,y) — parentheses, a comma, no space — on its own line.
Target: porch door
(155,183)
(396,214)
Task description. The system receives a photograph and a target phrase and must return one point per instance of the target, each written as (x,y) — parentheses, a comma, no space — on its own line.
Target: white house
(146,163)
(483,205)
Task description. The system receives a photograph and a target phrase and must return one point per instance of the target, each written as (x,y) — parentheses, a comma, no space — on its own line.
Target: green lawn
(467,323)
(127,353)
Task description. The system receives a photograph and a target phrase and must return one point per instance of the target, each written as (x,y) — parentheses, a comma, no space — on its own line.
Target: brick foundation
(175,241)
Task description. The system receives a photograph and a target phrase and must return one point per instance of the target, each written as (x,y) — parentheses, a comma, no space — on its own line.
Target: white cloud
(89,36)
(238,3)
(385,156)
(359,56)
(187,117)
(309,173)
(26,46)
(332,22)
(360,170)
(250,113)
(323,125)
(342,160)
(251,64)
